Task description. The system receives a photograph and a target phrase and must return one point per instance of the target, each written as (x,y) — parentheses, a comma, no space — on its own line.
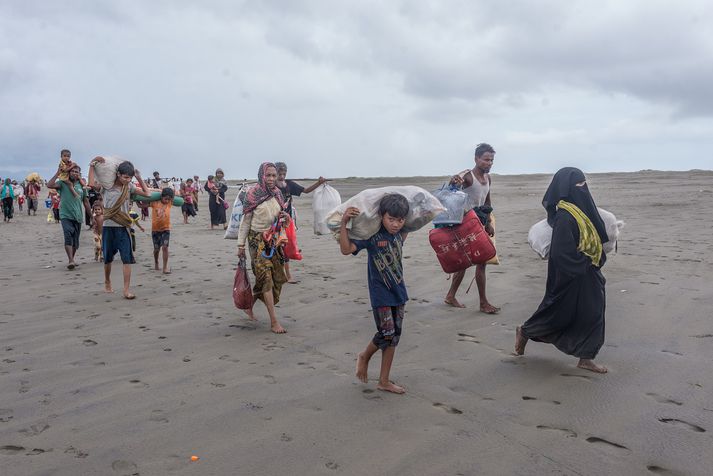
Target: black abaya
(571,315)
(217,210)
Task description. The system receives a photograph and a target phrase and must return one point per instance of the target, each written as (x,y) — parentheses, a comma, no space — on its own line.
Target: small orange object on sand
(194,458)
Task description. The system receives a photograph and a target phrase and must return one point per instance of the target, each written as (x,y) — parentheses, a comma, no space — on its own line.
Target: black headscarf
(564,187)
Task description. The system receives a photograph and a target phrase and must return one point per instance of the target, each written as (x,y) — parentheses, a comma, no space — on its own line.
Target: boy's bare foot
(71,265)
(391,387)
(588,364)
(167,271)
(108,288)
(488,308)
(129,296)
(362,368)
(155,267)
(452,301)
(278,329)
(520,341)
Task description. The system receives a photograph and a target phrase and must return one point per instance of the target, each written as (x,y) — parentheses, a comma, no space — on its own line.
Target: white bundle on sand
(231,233)
(423,207)
(325,199)
(105,172)
(540,235)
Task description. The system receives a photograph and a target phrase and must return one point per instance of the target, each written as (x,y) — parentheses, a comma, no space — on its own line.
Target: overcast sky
(362,88)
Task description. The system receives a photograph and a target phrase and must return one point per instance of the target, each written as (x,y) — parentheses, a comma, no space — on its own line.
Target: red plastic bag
(242,291)
(291,250)
(462,246)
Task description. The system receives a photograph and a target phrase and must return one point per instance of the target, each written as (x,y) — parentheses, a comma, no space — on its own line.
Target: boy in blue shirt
(387,289)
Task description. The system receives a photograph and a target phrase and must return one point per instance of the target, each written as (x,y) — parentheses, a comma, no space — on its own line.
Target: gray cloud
(348,88)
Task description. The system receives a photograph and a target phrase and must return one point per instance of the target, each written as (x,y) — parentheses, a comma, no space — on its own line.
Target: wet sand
(92,384)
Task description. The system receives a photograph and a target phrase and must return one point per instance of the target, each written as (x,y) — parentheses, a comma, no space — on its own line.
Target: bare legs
(164,250)
(457,279)
(270,305)
(71,251)
(387,358)
(126,270)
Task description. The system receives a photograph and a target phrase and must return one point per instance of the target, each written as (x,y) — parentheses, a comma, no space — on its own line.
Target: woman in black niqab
(571,315)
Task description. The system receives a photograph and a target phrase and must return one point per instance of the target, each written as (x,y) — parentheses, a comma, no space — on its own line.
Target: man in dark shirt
(289,189)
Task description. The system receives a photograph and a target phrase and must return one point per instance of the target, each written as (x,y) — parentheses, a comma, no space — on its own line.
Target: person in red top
(54,196)
(32,192)
(161,227)
(188,191)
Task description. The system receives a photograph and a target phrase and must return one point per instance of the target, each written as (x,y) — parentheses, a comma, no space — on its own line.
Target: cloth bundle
(423,208)
(105,172)
(540,234)
(325,200)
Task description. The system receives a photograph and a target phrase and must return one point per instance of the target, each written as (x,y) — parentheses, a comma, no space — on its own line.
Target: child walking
(115,234)
(387,289)
(161,227)
(97,228)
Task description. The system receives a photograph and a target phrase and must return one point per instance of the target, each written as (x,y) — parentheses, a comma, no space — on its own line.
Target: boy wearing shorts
(161,227)
(115,233)
(387,289)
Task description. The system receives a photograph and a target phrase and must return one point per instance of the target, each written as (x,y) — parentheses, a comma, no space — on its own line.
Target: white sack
(423,207)
(540,235)
(231,233)
(105,172)
(325,200)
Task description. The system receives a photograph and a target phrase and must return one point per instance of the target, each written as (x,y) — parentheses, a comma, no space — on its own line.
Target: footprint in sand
(36,451)
(228,358)
(89,342)
(683,424)
(24,386)
(662,399)
(660,470)
(11,450)
(554,402)
(562,431)
(582,377)
(138,383)
(332,465)
(5,415)
(286,438)
(218,385)
(270,379)
(35,430)
(157,416)
(448,409)
(76,452)
(125,468)
(370,395)
(606,443)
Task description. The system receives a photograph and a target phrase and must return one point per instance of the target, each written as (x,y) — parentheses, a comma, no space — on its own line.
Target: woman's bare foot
(391,387)
(488,308)
(250,314)
(588,364)
(278,329)
(362,368)
(520,341)
(155,266)
(167,271)
(71,265)
(452,301)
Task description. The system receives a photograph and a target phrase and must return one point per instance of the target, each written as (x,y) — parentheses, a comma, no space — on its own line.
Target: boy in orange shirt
(161,227)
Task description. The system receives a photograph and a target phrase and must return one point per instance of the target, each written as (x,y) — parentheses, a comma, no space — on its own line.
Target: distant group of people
(14,194)
(570,316)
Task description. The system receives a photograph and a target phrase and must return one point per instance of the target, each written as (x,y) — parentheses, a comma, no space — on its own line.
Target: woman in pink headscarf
(263,207)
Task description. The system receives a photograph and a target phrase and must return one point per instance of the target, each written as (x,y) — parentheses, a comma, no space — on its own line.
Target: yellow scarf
(589,241)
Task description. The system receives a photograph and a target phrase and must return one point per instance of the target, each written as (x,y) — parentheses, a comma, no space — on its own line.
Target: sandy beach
(92,384)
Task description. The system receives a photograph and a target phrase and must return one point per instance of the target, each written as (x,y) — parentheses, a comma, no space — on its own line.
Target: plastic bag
(50,217)
(242,291)
(105,172)
(423,207)
(540,235)
(455,203)
(292,250)
(325,200)
(231,233)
